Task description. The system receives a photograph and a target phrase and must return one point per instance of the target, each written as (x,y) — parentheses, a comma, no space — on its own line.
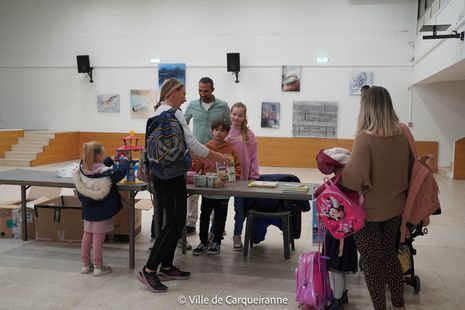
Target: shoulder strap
(151,123)
(411,140)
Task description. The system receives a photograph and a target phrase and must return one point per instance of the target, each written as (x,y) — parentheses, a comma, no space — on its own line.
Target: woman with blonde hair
(173,197)
(379,167)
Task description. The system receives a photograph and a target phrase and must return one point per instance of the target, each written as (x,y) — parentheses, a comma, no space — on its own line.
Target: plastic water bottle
(130,175)
(136,170)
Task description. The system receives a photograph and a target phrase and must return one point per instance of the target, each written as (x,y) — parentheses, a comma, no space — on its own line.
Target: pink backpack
(313,289)
(340,215)
(423,193)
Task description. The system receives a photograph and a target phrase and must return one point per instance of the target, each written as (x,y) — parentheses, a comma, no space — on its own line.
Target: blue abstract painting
(166,71)
(359,79)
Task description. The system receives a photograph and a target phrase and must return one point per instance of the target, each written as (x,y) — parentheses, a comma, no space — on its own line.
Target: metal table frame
(26,178)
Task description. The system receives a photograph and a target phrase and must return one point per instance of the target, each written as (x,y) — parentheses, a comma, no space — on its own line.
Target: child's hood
(224,148)
(95,184)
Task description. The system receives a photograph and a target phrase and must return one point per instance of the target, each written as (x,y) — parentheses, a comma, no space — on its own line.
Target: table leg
(24,212)
(184,240)
(131,230)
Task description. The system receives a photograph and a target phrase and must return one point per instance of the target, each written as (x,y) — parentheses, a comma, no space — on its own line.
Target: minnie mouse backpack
(340,215)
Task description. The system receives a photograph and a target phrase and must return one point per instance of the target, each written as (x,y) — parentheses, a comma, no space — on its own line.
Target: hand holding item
(218,157)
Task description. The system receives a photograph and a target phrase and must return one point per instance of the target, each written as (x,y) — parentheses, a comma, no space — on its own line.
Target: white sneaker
(101,271)
(87,269)
(237,243)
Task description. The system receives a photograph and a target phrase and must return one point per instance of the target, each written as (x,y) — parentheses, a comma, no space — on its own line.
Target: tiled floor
(38,275)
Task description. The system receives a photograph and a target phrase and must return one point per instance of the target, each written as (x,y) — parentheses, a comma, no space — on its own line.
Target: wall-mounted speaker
(83,63)
(234,64)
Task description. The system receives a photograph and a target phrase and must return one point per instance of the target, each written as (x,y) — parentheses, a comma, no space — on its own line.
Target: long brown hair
(377,115)
(168,86)
(89,151)
(244,126)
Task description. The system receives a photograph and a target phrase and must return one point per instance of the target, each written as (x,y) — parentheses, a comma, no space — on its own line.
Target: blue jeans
(239,217)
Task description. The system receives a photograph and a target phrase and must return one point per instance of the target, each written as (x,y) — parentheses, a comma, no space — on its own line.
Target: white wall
(438,110)
(439,114)
(432,56)
(40,88)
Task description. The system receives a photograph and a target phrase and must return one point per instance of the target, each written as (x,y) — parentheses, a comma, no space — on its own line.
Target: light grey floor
(39,275)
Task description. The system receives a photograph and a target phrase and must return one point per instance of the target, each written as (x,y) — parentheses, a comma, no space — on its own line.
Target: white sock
(339,283)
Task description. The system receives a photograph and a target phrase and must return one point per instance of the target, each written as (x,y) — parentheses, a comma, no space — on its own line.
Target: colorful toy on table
(129,147)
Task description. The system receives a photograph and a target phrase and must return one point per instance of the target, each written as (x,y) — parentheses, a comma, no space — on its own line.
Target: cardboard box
(35,192)
(121,220)
(11,220)
(59,219)
(6,222)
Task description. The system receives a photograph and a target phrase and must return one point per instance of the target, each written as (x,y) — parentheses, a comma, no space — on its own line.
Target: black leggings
(376,243)
(172,194)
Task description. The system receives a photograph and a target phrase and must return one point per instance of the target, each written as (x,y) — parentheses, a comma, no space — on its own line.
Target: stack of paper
(268,184)
(297,187)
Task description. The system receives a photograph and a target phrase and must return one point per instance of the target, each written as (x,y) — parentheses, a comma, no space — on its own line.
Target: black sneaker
(190,231)
(200,249)
(173,274)
(214,249)
(335,305)
(151,280)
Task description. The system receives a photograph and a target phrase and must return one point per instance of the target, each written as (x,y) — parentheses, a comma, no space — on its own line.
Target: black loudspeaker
(83,64)
(234,64)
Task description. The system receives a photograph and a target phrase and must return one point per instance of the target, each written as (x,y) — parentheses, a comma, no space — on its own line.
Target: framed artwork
(291,76)
(108,103)
(142,102)
(314,119)
(166,71)
(359,79)
(270,115)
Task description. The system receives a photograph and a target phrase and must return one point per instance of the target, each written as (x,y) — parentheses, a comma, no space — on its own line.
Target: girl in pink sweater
(244,143)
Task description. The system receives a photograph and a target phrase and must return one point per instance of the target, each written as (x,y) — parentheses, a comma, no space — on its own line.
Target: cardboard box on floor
(59,219)
(34,193)
(11,213)
(11,220)
(121,220)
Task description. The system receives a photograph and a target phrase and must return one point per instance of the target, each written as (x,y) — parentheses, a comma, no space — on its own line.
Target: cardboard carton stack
(51,217)
(11,213)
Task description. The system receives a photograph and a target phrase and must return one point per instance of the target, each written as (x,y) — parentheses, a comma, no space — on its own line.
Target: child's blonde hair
(89,151)
(244,126)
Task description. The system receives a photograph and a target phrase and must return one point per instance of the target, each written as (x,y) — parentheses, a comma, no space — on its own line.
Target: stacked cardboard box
(59,219)
(11,213)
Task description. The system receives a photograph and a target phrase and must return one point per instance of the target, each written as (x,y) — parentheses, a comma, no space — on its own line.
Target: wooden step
(33,141)
(39,134)
(15,162)
(21,155)
(27,148)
